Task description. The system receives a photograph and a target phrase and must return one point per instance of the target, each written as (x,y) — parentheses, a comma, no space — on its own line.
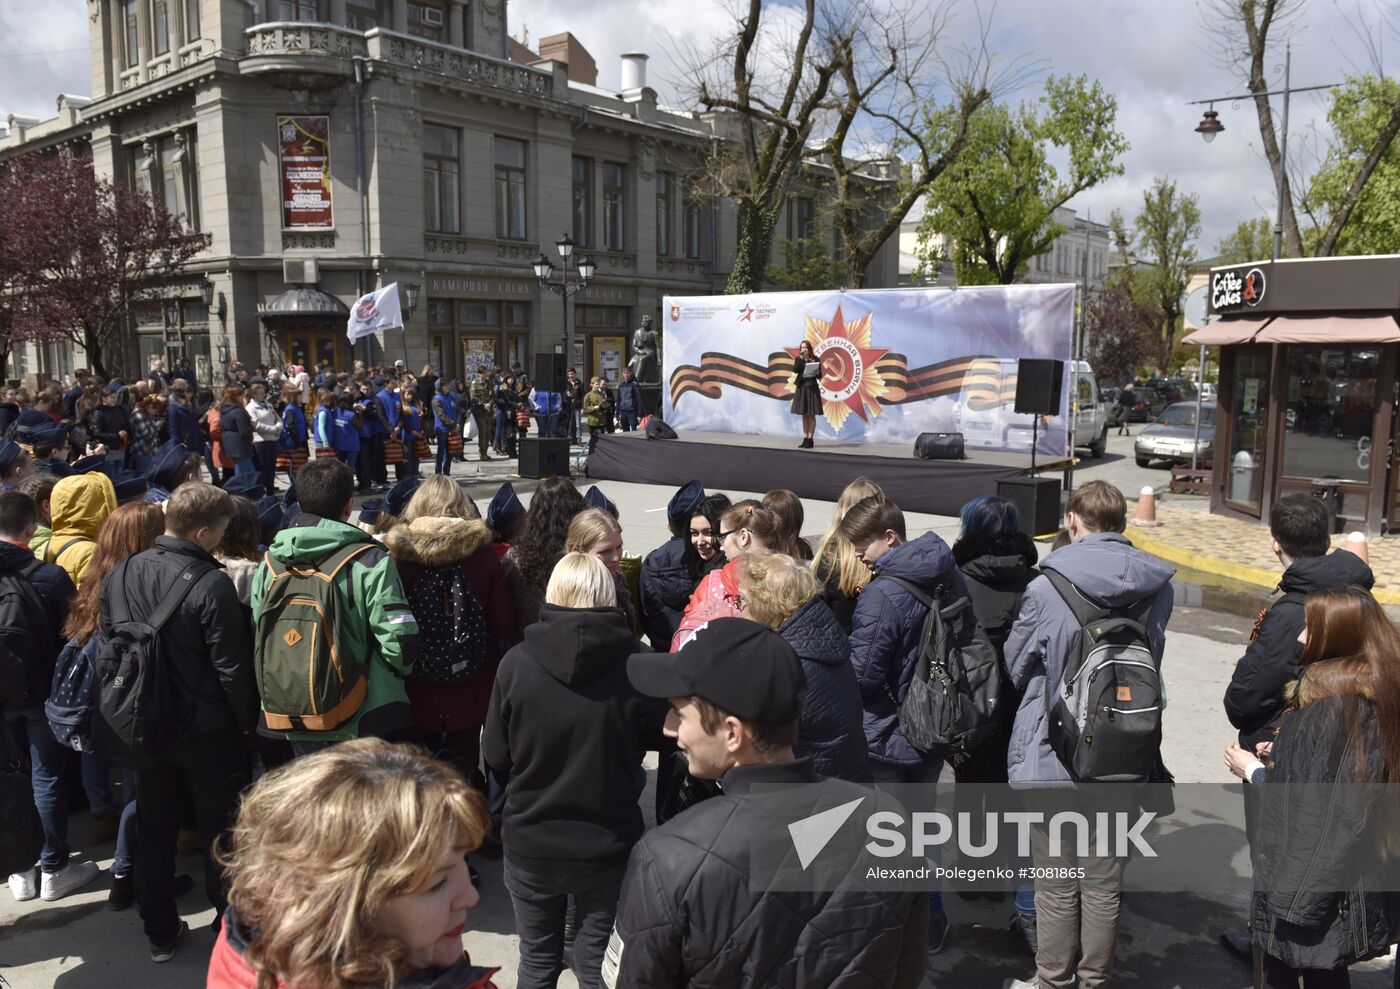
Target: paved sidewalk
(1189,537)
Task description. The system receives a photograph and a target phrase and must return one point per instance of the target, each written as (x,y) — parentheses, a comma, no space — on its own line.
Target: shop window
(614,199)
(583,201)
(441,179)
(510,188)
(1329,412)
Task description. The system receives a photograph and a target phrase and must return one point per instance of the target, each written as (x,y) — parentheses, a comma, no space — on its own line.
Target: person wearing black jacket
(110,424)
(208,648)
(1254,700)
(237,429)
(567,730)
(574,391)
(667,579)
(504,404)
(689,915)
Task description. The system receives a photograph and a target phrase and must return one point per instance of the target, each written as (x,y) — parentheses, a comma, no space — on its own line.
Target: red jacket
(228,970)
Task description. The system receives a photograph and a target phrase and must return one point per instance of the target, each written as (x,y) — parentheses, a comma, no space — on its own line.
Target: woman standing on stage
(807,399)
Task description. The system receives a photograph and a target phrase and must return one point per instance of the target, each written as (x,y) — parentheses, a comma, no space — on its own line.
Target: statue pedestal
(651,399)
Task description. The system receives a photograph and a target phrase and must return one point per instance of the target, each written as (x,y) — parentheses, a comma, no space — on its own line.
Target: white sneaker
(73,876)
(1018,984)
(25,885)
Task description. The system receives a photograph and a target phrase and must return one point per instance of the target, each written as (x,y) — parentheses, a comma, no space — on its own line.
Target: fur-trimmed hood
(1346,677)
(436,541)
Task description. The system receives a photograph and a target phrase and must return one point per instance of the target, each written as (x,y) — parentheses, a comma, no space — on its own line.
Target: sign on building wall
(303,148)
(896,363)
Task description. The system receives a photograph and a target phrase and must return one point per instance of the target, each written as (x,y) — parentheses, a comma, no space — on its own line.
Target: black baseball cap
(740,666)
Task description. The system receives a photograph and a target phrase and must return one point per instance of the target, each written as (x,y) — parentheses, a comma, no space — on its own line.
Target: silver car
(1172,436)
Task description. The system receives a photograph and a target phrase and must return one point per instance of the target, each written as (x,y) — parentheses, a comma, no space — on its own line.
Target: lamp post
(582,264)
(410,303)
(1210,126)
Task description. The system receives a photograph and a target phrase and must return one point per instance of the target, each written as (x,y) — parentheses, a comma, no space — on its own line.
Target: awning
(1331,329)
(1225,331)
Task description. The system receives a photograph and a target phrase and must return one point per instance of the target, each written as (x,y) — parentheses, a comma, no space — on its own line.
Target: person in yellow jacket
(79,505)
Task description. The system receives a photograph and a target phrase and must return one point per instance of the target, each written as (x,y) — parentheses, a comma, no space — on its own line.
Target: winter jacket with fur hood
(1317,865)
(427,543)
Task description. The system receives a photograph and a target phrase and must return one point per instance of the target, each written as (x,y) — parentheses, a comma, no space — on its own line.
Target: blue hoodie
(1107,568)
(886,633)
(389,402)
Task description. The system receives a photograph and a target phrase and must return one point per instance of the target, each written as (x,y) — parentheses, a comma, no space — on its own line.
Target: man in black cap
(688,910)
(666,582)
(15,464)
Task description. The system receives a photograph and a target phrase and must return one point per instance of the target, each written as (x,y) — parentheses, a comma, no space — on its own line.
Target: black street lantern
(410,297)
(1209,126)
(583,268)
(206,292)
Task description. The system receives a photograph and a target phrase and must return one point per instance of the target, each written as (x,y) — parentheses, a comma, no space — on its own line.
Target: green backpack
(307,681)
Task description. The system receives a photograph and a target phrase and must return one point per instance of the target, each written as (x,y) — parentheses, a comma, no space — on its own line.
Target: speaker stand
(1035,442)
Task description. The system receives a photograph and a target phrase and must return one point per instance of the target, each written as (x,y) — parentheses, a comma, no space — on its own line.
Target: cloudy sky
(1154,55)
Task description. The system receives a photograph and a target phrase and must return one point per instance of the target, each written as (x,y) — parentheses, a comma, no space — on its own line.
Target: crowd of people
(340,707)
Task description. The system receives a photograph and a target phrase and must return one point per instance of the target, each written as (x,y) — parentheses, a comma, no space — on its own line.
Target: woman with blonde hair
(460,594)
(595,532)
(778,591)
(836,567)
(347,869)
(746,528)
(567,730)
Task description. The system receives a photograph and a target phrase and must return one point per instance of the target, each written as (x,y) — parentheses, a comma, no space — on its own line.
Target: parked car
(1173,435)
(1148,405)
(1208,393)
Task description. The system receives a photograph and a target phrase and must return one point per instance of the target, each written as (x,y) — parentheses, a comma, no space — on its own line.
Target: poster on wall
(607,358)
(304,154)
(895,362)
(479,353)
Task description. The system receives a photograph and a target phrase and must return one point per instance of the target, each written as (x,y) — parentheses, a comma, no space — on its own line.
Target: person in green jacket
(376,622)
(597,407)
(40,488)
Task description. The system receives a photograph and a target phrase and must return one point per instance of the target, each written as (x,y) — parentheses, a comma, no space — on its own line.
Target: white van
(985,409)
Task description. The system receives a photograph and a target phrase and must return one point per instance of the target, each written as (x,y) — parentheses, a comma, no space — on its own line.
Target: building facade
(342,145)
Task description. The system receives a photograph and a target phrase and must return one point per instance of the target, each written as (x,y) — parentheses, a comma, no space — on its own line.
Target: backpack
(953,703)
(72,697)
(1106,712)
(452,632)
(135,713)
(27,644)
(306,681)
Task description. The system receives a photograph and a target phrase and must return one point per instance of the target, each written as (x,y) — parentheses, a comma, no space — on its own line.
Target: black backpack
(136,716)
(953,703)
(1106,712)
(452,633)
(28,645)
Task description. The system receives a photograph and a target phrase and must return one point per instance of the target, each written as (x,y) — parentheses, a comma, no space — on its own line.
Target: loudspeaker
(1038,386)
(1037,499)
(544,458)
(549,372)
(658,430)
(940,446)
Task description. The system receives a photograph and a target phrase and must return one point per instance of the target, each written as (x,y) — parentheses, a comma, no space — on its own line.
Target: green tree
(1361,114)
(997,201)
(1252,240)
(807,267)
(1167,228)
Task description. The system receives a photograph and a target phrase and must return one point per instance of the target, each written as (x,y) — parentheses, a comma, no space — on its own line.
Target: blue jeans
(48,766)
(925,773)
(628,420)
(499,439)
(549,424)
(114,462)
(574,430)
(244,465)
(141,462)
(444,455)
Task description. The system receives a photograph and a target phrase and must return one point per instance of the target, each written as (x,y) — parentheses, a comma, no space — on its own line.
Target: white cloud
(1154,57)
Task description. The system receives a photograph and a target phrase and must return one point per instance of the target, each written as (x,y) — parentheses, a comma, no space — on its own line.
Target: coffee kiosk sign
(1236,289)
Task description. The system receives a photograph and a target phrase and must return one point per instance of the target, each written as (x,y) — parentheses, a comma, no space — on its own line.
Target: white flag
(374,312)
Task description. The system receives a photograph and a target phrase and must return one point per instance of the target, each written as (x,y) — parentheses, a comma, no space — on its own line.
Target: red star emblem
(849,382)
(746,314)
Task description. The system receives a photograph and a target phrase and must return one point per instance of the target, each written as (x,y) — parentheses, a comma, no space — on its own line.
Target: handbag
(469,430)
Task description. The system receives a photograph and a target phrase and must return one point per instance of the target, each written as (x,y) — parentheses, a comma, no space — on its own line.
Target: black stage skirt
(807,400)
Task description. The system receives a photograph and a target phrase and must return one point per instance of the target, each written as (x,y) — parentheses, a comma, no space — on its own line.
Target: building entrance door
(314,348)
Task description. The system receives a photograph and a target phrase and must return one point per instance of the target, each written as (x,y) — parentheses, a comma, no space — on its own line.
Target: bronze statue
(646,354)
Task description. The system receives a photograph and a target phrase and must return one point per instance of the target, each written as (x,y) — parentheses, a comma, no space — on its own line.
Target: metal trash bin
(1327,490)
(1244,476)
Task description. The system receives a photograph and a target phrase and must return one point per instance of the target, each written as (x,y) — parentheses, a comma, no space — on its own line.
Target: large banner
(896,362)
(303,152)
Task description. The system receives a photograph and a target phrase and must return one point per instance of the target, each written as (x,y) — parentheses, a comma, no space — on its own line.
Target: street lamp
(581,264)
(410,298)
(206,292)
(1210,126)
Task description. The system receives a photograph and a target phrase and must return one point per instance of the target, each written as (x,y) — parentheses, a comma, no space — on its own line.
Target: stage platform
(742,462)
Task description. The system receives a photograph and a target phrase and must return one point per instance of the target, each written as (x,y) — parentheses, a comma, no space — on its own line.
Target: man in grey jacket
(1077,919)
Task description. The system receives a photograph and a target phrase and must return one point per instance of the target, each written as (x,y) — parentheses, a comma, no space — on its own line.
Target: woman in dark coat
(778,591)
(237,430)
(807,398)
(1326,821)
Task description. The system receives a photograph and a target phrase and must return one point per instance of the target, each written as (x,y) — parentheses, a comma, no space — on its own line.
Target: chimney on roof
(634,71)
(567,49)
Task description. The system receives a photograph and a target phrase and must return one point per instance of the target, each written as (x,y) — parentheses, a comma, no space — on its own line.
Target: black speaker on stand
(1039,388)
(544,457)
(550,372)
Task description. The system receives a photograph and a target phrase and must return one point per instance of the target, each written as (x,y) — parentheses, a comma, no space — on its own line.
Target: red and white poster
(303,149)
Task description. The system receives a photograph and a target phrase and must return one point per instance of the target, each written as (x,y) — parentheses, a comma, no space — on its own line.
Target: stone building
(329,147)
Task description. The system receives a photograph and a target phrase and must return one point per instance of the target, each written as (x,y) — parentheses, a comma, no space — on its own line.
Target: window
(192,19)
(601,317)
(167,170)
(478,314)
(133,33)
(583,201)
(691,230)
(300,10)
(510,188)
(360,20)
(425,21)
(517,314)
(665,195)
(612,207)
(160,27)
(801,218)
(441,180)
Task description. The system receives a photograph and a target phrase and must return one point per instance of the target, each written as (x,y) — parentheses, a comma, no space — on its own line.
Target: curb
(1225,568)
